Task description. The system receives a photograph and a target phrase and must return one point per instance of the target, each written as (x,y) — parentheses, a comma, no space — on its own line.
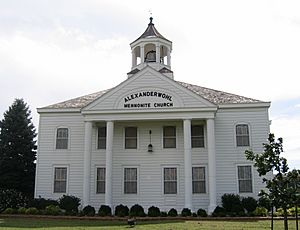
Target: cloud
(288,127)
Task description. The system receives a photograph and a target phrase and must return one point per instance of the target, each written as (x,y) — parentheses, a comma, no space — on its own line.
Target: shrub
(194,214)
(232,203)
(137,210)
(42,203)
(70,204)
(11,198)
(88,211)
(172,212)
(104,210)
(219,212)
(201,212)
(249,203)
(22,210)
(52,210)
(121,210)
(292,211)
(31,211)
(9,211)
(265,202)
(186,212)
(153,211)
(280,212)
(260,211)
(163,214)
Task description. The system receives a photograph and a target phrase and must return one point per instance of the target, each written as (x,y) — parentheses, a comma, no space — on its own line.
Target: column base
(189,206)
(211,209)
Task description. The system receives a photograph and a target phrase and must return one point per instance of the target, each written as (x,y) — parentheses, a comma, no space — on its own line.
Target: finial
(151,19)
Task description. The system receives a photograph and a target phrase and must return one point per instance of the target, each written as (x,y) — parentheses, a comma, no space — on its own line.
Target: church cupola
(152,49)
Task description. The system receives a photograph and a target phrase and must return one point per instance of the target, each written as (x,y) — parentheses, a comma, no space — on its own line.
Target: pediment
(148,90)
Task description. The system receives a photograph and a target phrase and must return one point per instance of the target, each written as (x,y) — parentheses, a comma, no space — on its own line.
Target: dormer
(152,49)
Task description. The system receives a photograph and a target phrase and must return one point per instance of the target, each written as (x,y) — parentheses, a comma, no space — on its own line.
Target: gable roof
(218,97)
(78,102)
(214,96)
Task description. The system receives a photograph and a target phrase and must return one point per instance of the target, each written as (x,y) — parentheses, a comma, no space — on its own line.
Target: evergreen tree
(17,149)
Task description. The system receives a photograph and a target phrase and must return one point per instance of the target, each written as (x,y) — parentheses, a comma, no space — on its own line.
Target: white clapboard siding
(228,156)
(48,156)
(150,165)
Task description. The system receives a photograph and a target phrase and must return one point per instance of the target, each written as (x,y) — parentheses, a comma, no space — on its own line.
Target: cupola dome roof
(151,32)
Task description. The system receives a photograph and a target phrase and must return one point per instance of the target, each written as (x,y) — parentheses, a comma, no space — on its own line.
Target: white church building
(151,140)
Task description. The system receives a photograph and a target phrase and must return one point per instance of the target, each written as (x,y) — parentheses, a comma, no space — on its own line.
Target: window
(245,179)
(60,180)
(242,135)
(102,138)
(100,180)
(62,138)
(198,175)
(130,180)
(169,137)
(130,138)
(197,136)
(170,180)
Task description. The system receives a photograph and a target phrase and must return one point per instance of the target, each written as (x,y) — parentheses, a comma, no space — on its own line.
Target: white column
(168,58)
(187,165)
(142,54)
(211,164)
(133,58)
(87,162)
(108,164)
(157,51)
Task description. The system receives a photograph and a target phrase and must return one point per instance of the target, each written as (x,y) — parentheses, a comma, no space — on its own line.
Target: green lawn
(50,224)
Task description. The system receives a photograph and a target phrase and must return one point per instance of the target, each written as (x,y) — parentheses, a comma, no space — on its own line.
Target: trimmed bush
(137,210)
(9,211)
(249,203)
(219,212)
(121,210)
(52,210)
(260,211)
(11,198)
(194,214)
(201,212)
(104,210)
(232,203)
(186,212)
(32,211)
(172,212)
(163,214)
(70,204)
(88,211)
(42,203)
(153,211)
(22,210)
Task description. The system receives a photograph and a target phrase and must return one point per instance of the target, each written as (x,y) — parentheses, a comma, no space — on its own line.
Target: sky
(55,50)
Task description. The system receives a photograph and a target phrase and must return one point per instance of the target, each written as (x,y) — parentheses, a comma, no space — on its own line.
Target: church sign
(148,99)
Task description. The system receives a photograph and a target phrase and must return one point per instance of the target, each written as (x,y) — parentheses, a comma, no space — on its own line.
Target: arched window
(62,137)
(242,135)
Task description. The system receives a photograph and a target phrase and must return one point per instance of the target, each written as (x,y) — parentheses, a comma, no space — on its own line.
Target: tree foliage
(282,185)
(17,149)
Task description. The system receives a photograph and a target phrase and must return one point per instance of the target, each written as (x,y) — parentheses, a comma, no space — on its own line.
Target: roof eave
(260,104)
(58,110)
